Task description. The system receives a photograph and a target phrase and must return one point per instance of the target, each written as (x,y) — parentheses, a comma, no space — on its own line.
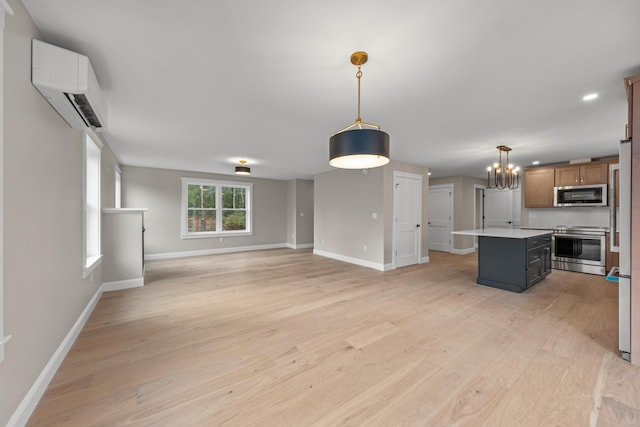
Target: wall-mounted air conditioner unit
(66,79)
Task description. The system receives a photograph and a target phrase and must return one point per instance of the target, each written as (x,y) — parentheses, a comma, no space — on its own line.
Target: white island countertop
(507,233)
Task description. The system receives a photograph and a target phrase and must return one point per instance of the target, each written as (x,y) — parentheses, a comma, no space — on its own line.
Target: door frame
(477,187)
(450,187)
(394,244)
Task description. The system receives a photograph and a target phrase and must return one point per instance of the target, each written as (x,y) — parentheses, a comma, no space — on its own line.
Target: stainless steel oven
(579,249)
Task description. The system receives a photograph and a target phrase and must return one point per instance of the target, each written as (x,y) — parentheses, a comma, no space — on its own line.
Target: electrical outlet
(365,248)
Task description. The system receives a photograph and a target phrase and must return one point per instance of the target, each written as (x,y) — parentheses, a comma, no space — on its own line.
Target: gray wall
(160,190)
(344,202)
(44,292)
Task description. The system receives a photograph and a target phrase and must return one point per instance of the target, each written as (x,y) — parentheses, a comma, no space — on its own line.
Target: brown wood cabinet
(582,174)
(538,188)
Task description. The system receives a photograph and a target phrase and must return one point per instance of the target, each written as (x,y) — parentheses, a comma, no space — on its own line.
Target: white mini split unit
(66,79)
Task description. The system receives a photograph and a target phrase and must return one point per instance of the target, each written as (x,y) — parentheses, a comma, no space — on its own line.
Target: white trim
(214,234)
(394,239)
(463,251)
(123,284)
(6,7)
(477,187)
(123,210)
(187,254)
(451,188)
(424,260)
(301,246)
(184,229)
(357,261)
(91,225)
(31,399)
(92,264)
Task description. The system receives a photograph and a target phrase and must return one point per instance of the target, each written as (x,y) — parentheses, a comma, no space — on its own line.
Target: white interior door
(407,207)
(498,208)
(440,217)
(516,204)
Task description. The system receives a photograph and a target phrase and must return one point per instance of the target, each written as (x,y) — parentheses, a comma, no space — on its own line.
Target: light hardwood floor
(287,338)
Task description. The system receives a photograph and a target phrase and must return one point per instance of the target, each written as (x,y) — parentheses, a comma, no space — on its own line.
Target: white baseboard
(302,246)
(31,399)
(424,260)
(463,251)
(357,261)
(123,284)
(186,254)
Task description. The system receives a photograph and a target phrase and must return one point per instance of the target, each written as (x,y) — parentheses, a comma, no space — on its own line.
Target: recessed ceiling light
(590,97)
(537,162)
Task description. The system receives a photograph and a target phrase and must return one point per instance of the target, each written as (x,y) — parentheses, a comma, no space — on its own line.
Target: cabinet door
(567,175)
(594,173)
(538,188)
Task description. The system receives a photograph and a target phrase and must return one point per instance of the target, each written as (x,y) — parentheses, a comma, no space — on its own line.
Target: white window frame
(4,9)
(91,218)
(118,188)
(186,234)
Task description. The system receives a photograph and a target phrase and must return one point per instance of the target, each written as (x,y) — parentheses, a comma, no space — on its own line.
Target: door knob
(417,225)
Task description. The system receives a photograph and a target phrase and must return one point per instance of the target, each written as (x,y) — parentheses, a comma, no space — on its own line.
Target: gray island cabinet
(512,259)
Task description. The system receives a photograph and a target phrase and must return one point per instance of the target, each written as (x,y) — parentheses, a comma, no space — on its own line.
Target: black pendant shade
(243,169)
(359,149)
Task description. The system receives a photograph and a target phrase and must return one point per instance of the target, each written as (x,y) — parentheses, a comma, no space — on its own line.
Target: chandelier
(354,147)
(504,177)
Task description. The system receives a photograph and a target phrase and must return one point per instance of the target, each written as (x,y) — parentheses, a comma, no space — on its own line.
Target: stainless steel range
(579,248)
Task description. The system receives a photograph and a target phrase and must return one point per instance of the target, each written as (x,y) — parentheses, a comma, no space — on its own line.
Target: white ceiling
(198,85)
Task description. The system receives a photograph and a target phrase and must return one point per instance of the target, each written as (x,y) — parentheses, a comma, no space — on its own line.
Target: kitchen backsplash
(598,217)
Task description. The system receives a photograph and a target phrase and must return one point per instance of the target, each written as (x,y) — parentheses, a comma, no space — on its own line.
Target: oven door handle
(579,236)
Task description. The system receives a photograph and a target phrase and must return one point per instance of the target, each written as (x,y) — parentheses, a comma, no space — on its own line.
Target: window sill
(3,341)
(212,235)
(92,264)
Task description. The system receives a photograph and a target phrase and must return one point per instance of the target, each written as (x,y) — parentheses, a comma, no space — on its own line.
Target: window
(4,8)
(91,219)
(118,188)
(215,208)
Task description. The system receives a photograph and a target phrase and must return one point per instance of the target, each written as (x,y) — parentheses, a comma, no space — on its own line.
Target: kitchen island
(511,259)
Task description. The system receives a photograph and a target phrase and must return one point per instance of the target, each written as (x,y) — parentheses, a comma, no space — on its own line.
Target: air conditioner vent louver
(83,107)
(67,81)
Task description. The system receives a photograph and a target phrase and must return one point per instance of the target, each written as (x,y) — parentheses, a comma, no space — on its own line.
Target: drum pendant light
(354,147)
(243,169)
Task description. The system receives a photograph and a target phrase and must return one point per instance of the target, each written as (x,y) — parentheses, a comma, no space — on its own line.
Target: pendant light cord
(358,76)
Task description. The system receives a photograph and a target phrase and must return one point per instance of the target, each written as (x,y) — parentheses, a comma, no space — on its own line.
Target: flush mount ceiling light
(590,97)
(242,169)
(354,147)
(504,178)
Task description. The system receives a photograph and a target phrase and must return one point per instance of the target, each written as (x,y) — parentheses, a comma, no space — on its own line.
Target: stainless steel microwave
(580,195)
